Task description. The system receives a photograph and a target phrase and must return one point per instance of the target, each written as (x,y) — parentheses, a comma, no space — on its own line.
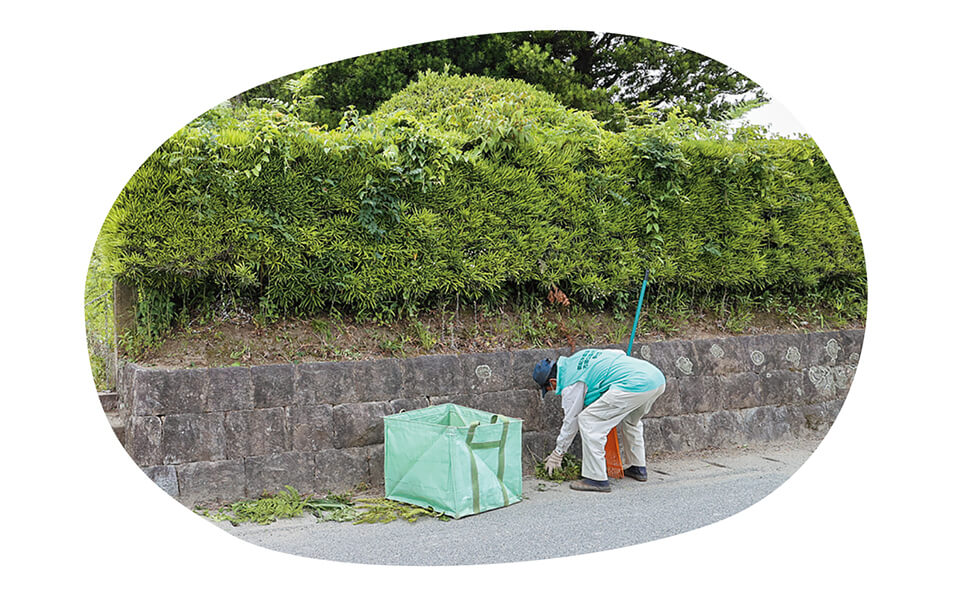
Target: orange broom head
(612,454)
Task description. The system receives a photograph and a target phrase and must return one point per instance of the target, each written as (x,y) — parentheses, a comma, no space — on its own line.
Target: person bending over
(600,389)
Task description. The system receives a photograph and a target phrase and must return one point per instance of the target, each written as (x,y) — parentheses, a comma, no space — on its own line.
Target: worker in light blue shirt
(601,389)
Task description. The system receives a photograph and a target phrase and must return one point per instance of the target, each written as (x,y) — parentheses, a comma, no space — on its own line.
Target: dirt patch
(238,340)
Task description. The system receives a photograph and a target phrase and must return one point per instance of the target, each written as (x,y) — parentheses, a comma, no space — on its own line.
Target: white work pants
(614,407)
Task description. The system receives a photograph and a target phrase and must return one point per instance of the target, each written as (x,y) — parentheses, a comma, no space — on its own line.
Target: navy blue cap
(541,372)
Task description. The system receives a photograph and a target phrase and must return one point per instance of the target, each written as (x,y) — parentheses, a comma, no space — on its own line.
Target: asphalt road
(683,492)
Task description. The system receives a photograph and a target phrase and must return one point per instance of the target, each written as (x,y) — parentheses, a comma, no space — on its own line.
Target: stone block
(740,390)
(273,385)
(683,433)
(700,394)
(311,427)
(832,348)
(230,389)
(794,416)
(703,394)
(488,372)
(818,417)
(381,380)
(784,352)
(164,476)
(430,375)
(271,473)
(769,352)
(668,403)
(257,432)
(376,456)
(522,363)
(400,405)
(647,351)
(163,392)
(324,382)
(144,440)
(547,412)
(341,470)
(126,372)
(192,437)
(536,446)
(458,399)
(781,387)
(676,359)
(110,402)
(653,440)
(358,424)
(850,342)
(722,356)
(344,382)
(511,403)
(764,424)
(833,408)
(825,382)
(211,483)
(724,429)
(842,376)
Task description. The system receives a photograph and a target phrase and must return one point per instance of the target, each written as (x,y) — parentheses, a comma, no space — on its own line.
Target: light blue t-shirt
(601,369)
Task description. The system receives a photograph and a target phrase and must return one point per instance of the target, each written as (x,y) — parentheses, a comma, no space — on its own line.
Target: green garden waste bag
(457,460)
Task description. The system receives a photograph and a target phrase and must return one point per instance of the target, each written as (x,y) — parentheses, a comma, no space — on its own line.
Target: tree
(604,73)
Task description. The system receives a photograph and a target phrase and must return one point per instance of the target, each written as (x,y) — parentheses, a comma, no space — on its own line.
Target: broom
(612,448)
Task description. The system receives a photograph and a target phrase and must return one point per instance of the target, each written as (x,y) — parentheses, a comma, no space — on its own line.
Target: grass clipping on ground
(290,503)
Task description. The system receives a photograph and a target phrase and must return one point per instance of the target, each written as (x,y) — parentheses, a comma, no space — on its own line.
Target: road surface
(683,492)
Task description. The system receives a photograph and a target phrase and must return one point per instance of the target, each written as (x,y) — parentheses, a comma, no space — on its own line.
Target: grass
(233,335)
(345,507)
(384,510)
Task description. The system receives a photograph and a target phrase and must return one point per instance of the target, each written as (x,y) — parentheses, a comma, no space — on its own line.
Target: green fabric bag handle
(474,472)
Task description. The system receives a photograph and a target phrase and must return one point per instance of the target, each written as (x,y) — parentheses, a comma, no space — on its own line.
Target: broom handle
(637,315)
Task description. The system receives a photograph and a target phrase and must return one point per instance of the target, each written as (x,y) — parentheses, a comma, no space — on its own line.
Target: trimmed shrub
(484,189)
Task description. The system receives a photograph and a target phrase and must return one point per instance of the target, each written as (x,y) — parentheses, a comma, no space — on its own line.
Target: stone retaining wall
(219,434)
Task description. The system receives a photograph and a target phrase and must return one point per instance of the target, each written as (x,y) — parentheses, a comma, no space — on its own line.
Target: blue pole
(640,302)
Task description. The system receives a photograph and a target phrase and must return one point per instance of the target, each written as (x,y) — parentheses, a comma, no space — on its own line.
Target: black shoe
(638,473)
(591,485)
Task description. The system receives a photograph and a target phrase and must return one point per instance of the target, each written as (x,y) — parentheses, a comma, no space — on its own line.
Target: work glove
(553,461)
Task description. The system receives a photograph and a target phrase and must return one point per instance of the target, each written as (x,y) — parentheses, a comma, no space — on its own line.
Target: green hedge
(465,186)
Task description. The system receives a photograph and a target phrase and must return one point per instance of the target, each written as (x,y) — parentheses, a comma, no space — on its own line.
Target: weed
(426,339)
(268,313)
(349,354)
(738,322)
(569,470)
(533,328)
(344,498)
(395,347)
(133,344)
(270,507)
(323,329)
(621,330)
(99,369)
(334,507)
(664,325)
(384,510)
